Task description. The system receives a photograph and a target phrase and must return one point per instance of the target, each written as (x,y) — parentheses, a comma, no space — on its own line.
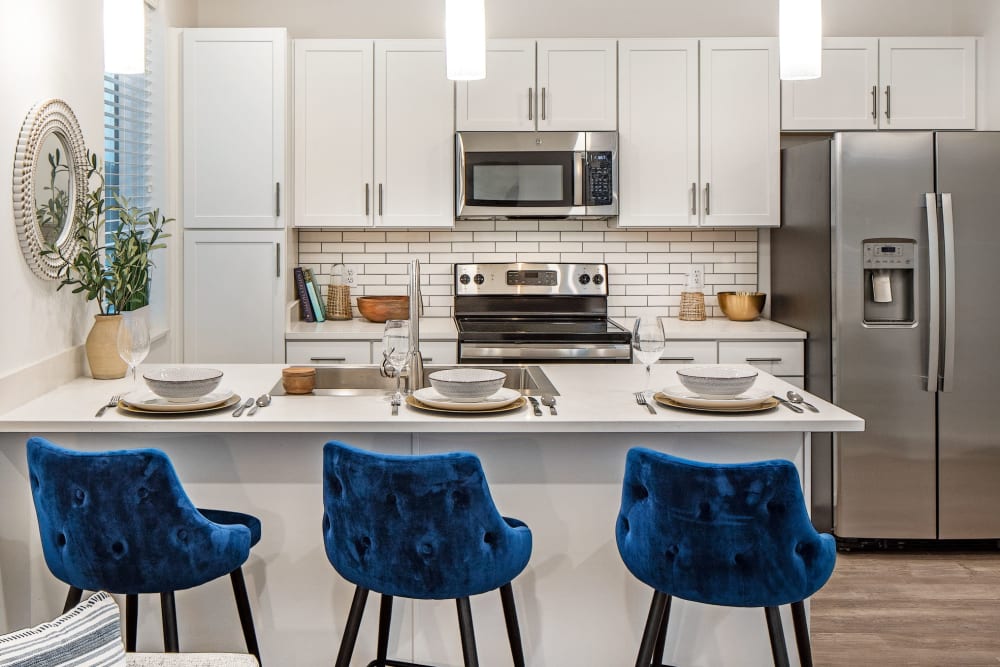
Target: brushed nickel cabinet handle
(694,199)
(888,102)
(760,360)
(367,200)
(530,102)
(543,103)
(277,260)
(380,199)
(664,359)
(277,200)
(320,360)
(874,104)
(708,192)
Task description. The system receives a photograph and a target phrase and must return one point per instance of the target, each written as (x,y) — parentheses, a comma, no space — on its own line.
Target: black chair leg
(246,614)
(384,621)
(468,634)
(653,622)
(661,636)
(802,634)
(131,621)
(73,598)
(513,630)
(169,614)
(351,630)
(777,636)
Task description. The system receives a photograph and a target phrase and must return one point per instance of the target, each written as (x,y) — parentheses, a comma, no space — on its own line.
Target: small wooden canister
(298,379)
(692,306)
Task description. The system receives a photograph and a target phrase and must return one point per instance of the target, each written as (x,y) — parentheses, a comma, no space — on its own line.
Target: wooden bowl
(382,308)
(741,306)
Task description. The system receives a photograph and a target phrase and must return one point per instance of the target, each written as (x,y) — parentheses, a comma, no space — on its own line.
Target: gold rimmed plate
(766,404)
(514,405)
(135,410)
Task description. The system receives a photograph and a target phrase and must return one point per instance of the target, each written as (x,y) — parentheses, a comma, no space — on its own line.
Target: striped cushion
(86,636)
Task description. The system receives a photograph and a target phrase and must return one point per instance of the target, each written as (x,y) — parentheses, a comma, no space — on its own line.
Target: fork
(397,399)
(640,398)
(112,402)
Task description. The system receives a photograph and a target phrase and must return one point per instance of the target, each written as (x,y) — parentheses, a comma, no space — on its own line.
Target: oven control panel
(531,278)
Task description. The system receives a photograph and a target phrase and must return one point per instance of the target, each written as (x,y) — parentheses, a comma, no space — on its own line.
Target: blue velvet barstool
(420,527)
(736,535)
(119,521)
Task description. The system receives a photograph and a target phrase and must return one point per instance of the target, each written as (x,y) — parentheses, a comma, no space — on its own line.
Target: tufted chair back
(119,521)
(422,527)
(725,534)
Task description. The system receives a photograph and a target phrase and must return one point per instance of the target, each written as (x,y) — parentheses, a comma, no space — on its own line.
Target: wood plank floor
(933,609)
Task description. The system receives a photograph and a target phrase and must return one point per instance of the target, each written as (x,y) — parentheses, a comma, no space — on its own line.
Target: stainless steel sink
(366,380)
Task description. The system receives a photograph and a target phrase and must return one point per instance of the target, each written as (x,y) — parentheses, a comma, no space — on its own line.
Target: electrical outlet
(350,276)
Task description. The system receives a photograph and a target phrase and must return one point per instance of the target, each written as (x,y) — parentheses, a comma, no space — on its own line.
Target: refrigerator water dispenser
(889,282)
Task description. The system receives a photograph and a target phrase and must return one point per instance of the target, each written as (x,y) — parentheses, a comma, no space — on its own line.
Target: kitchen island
(577,603)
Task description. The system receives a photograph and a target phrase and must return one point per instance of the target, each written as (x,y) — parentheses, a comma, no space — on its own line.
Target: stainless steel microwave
(536,175)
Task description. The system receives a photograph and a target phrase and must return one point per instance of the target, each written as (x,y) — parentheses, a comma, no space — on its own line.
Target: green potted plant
(112,268)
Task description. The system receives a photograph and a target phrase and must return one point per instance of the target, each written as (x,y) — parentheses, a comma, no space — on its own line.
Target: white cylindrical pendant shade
(124,37)
(465,39)
(800,37)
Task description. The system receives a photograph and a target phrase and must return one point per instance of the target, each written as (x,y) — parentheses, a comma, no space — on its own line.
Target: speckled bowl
(717,381)
(182,384)
(467,384)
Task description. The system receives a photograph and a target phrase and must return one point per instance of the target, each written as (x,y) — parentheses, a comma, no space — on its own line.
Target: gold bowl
(741,306)
(382,308)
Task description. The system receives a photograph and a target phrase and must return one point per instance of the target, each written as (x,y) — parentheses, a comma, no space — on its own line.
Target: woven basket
(338,302)
(692,306)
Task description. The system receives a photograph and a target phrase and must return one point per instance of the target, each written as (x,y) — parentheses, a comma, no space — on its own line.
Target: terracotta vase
(102,348)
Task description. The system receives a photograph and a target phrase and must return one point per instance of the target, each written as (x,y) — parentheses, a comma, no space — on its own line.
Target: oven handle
(545,351)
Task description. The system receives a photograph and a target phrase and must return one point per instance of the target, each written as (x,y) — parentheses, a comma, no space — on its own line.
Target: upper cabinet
(234,128)
(888,83)
(699,132)
(546,85)
(374,134)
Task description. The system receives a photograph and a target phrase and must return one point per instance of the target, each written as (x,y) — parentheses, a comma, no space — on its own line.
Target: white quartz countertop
(443,328)
(592,398)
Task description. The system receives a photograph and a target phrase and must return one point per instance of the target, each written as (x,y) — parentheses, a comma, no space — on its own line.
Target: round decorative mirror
(50,187)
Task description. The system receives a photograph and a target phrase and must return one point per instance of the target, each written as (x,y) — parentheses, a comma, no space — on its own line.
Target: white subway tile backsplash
(647,268)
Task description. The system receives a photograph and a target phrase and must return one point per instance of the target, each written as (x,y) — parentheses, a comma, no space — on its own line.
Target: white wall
(48,48)
(577,18)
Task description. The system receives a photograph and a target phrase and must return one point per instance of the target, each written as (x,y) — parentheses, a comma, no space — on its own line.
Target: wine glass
(648,341)
(396,348)
(133,341)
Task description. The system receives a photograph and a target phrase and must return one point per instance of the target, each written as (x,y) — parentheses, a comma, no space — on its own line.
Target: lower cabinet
(318,352)
(782,358)
(234,296)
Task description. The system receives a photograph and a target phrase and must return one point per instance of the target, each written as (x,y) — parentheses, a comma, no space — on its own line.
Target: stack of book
(311,307)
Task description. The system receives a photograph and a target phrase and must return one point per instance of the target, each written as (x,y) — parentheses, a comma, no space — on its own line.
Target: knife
(535,406)
(790,406)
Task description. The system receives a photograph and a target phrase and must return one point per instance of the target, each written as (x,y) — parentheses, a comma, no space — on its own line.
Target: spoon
(550,403)
(238,411)
(263,401)
(794,397)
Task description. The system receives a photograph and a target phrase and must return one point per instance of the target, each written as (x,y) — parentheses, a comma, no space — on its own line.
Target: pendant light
(124,37)
(465,39)
(800,39)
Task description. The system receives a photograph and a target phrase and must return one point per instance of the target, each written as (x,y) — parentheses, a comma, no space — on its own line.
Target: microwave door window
(529,179)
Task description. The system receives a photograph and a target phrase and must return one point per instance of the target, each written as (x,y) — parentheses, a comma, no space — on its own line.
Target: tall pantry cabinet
(234,141)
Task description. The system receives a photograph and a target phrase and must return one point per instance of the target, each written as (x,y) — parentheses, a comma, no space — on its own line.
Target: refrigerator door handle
(933,293)
(948,253)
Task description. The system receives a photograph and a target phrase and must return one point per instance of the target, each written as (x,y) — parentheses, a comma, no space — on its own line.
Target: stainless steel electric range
(538,313)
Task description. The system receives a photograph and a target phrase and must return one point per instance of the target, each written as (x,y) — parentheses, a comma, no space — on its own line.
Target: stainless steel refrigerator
(889,256)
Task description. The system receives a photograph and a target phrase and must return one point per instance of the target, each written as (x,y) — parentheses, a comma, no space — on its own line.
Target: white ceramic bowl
(717,381)
(182,384)
(467,384)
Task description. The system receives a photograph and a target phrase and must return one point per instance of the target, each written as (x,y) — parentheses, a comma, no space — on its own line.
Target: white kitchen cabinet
(699,132)
(439,351)
(690,352)
(897,83)
(545,85)
(374,134)
(312,352)
(781,358)
(234,296)
(234,128)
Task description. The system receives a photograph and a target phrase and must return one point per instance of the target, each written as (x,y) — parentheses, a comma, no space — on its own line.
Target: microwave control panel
(599,180)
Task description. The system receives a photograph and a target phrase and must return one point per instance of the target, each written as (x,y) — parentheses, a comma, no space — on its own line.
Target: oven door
(520,174)
(543,353)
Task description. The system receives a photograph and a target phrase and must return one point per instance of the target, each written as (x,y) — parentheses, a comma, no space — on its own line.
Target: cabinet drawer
(775,357)
(439,351)
(689,352)
(328,352)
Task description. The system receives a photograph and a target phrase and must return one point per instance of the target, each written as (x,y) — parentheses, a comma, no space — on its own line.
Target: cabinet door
(740,132)
(505,99)
(928,83)
(333,132)
(844,98)
(234,127)
(577,84)
(658,132)
(312,352)
(233,297)
(414,135)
